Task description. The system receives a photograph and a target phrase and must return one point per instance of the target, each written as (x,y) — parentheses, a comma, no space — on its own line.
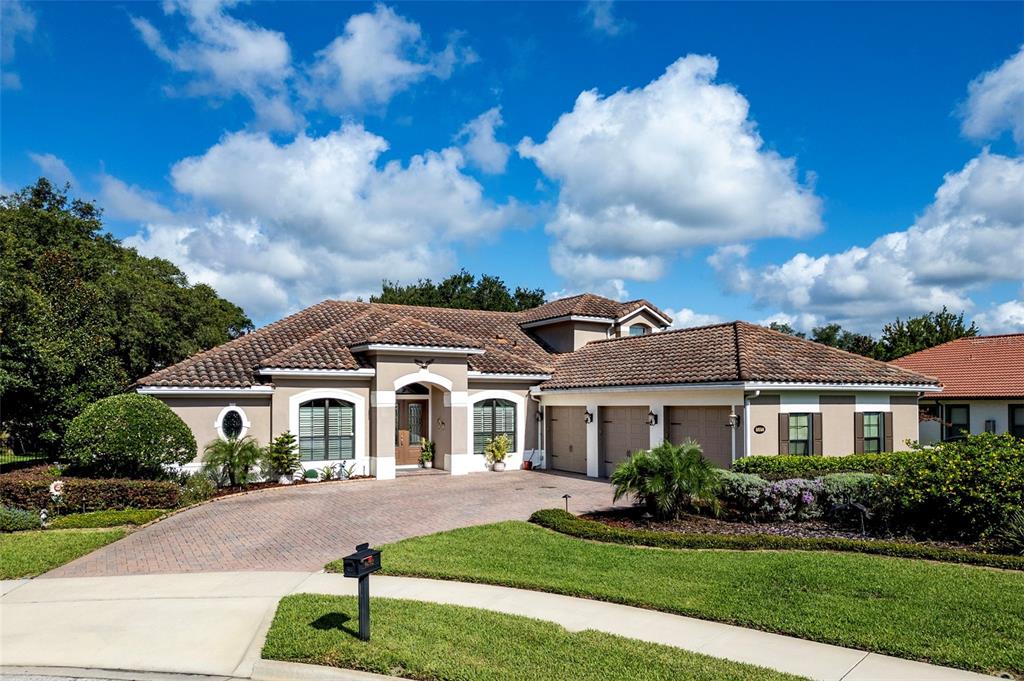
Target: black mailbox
(364,561)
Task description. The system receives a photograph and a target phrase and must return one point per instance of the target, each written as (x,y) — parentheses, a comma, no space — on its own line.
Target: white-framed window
(874,432)
(232,423)
(800,434)
(491,418)
(327,430)
(639,330)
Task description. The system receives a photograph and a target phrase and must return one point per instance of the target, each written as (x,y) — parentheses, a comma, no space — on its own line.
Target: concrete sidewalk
(215,623)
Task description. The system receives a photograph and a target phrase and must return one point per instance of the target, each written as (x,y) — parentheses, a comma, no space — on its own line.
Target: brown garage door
(623,430)
(567,438)
(706,425)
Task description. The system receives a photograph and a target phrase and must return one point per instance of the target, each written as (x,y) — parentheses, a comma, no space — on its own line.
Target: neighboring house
(982,386)
(577,384)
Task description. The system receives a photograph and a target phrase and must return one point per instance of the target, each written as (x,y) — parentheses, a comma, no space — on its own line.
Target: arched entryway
(413,425)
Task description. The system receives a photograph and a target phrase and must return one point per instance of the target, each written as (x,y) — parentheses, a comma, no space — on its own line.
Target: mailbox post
(360,565)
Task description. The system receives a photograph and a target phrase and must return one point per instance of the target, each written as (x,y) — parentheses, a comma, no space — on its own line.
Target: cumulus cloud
(676,164)
(1005,317)
(601,14)
(480,145)
(995,101)
(53,168)
(380,54)
(17,23)
(129,202)
(971,235)
(226,57)
(316,217)
(684,318)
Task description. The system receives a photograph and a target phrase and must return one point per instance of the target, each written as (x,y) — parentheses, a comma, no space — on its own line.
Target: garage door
(567,438)
(623,430)
(706,425)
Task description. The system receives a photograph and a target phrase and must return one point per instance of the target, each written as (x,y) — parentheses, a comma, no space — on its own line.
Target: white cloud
(1005,317)
(227,57)
(601,14)
(971,235)
(53,167)
(379,54)
(129,202)
(676,164)
(684,318)
(995,101)
(17,23)
(481,146)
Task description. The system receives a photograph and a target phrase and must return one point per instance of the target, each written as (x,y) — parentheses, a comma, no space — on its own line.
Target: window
(874,435)
(492,418)
(1017,420)
(639,330)
(326,430)
(958,421)
(800,434)
(231,425)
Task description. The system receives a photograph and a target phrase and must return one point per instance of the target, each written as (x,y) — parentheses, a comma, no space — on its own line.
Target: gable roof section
(720,353)
(587,305)
(984,366)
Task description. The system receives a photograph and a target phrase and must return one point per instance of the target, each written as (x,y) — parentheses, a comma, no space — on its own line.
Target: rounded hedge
(127,436)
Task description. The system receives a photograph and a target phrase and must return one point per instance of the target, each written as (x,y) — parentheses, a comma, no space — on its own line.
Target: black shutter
(887,431)
(816,433)
(858,433)
(783,433)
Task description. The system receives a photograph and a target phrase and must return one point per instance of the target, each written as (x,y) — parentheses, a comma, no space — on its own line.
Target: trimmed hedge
(86,494)
(792,466)
(566,523)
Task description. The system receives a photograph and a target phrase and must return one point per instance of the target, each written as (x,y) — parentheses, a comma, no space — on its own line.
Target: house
(982,386)
(577,384)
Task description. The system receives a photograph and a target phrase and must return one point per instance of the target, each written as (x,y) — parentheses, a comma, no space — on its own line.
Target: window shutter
(783,433)
(816,433)
(887,431)
(858,433)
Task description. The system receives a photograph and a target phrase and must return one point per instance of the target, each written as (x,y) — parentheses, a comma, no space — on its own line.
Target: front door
(410,430)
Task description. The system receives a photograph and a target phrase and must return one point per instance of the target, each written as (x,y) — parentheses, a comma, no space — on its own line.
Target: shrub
(787,466)
(231,461)
(196,488)
(965,488)
(669,480)
(85,494)
(281,457)
(742,491)
(1009,538)
(15,520)
(792,499)
(127,436)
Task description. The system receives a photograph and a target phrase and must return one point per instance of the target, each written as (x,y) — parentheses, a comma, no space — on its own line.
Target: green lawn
(26,554)
(948,614)
(129,516)
(433,642)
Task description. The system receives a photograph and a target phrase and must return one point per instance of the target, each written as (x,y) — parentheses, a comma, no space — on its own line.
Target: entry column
(382,458)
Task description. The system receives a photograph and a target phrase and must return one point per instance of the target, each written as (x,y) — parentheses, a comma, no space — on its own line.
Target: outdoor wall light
(440,423)
(539,415)
(652,418)
(588,417)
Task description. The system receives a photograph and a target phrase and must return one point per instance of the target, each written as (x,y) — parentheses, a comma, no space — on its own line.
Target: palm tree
(669,479)
(233,459)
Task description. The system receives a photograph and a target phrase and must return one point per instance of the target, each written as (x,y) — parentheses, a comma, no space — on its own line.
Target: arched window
(639,330)
(492,418)
(327,429)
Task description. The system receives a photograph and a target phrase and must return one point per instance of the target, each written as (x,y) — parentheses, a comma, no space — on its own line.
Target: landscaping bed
(433,642)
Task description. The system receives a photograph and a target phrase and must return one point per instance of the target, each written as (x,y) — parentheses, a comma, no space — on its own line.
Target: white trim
(568,318)
(507,377)
(644,308)
(204,392)
(336,373)
(842,387)
(638,388)
(360,421)
(383,398)
(417,349)
(515,457)
(424,376)
(456,398)
(246,424)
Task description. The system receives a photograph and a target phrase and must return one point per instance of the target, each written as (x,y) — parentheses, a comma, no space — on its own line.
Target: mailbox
(364,561)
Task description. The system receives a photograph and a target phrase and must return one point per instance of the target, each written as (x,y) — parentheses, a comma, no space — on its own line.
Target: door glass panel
(415,419)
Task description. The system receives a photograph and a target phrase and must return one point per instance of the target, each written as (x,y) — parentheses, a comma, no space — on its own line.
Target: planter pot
(527,465)
(498,466)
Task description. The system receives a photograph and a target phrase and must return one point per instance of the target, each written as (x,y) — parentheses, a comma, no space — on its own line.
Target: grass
(433,642)
(26,554)
(129,516)
(947,614)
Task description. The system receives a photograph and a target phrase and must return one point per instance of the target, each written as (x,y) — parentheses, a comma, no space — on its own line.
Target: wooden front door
(410,430)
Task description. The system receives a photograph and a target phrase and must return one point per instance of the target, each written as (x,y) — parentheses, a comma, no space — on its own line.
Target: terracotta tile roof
(586,305)
(736,351)
(985,366)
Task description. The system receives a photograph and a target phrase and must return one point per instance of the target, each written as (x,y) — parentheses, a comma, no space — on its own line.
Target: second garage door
(707,425)
(567,438)
(623,430)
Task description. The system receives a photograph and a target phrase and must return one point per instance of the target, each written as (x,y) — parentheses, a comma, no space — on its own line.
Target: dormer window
(639,330)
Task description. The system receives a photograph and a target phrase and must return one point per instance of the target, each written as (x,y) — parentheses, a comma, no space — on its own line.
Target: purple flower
(807,497)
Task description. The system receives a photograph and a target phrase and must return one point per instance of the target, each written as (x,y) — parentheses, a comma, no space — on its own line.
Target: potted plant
(426,452)
(496,450)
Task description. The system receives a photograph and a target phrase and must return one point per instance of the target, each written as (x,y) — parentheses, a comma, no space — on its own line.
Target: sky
(800,162)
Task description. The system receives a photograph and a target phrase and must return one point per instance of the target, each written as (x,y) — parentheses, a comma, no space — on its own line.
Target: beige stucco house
(577,384)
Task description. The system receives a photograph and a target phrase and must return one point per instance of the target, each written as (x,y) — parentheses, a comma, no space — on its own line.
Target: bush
(496,449)
(558,520)
(85,494)
(196,488)
(127,436)
(1009,538)
(15,520)
(231,461)
(281,457)
(787,466)
(669,480)
(742,491)
(967,488)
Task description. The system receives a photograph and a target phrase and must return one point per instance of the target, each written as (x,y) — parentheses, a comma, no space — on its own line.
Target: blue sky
(806,162)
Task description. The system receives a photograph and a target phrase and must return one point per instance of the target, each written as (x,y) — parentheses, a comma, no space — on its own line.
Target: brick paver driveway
(305,527)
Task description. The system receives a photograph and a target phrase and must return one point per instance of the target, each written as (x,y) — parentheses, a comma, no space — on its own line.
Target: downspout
(746,424)
(540,428)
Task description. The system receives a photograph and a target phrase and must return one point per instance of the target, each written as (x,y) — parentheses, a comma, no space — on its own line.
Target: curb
(275,670)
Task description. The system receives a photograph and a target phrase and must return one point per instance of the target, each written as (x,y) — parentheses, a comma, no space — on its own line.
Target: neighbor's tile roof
(985,366)
(736,351)
(586,305)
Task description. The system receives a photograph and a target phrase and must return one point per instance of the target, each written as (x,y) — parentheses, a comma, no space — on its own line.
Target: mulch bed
(256,486)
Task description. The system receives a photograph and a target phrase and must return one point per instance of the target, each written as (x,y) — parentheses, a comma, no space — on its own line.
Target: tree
(461,290)
(835,336)
(83,317)
(783,327)
(901,338)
